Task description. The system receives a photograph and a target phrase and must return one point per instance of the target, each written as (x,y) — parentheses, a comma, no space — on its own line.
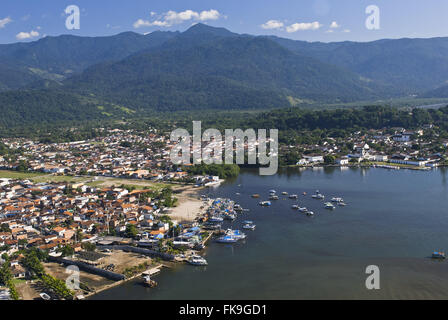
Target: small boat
(236,234)
(284,193)
(318,196)
(303,209)
(256,195)
(212,226)
(196,260)
(265,203)
(226,239)
(272,191)
(230,216)
(438,255)
(238,194)
(44,296)
(273,197)
(342,204)
(248,225)
(295,207)
(148,282)
(337,199)
(310,213)
(304,193)
(216,219)
(293,196)
(237,207)
(329,205)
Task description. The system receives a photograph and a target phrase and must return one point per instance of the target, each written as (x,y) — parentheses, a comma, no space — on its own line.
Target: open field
(19,175)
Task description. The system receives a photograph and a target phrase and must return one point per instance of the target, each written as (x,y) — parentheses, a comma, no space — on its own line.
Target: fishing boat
(148,282)
(284,193)
(216,219)
(273,197)
(337,199)
(318,195)
(293,196)
(212,226)
(342,204)
(329,205)
(230,216)
(310,213)
(237,234)
(44,296)
(265,203)
(248,225)
(256,195)
(295,207)
(226,239)
(438,255)
(303,209)
(272,191)
(196,260)
(237,207)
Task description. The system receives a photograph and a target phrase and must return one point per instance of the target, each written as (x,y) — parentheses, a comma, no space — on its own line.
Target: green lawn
(19,175)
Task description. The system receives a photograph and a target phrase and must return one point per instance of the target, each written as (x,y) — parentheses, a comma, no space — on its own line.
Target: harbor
(390,221)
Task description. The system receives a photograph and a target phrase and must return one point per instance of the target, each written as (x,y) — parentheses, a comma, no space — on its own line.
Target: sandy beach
(189,206)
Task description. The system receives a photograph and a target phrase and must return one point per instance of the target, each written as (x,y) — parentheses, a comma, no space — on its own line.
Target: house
(314,158)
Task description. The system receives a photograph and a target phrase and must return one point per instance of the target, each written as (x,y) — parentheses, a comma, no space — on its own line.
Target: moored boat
(438,255)
(197,260)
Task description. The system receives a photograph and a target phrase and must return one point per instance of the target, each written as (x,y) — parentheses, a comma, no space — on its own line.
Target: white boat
(196,260)
(303,209)
(44,296)
(273,197)
(248,225)
(284,193)
(265,203)
(342,204)
(337,199)
(272,191)
(236,234)
(318,196)
(295,207)
(216,219)
(226,239)
(293,196)
(230,216)
(329,205)
(310,213)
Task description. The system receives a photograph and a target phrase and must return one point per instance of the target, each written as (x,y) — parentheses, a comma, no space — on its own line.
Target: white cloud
(334,25)
(27,35)
(273,24)
(171,18)
(4,22)
(303,26)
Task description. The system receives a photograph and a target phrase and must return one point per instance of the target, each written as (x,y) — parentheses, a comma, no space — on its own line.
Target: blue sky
(311,20)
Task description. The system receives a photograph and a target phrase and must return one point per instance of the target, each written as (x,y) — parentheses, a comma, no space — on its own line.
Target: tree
(329,159)
(131,231)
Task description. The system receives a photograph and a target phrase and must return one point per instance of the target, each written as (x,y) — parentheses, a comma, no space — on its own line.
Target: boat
(284,193)
(248,225)
(438,255)
(265,203)
(303,209)
(272,191)
(310,213)
(237,234)
(230,216)
(226,239)
(293,196)
(44,296)
(329,205)
(215,219)
(148,282)
(256,195)
(304,193)
(337,199)
(273,197)
(342,204)
(295,207)
(196,260)
(212,226)
(237,207)
(318,195)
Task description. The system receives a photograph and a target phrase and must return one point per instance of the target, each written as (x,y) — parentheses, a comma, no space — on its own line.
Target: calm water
(394,219)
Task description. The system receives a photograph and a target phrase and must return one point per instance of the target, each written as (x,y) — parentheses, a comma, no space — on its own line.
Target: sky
(310,20)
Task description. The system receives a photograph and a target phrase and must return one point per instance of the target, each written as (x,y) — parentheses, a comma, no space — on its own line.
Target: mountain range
(207,68)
